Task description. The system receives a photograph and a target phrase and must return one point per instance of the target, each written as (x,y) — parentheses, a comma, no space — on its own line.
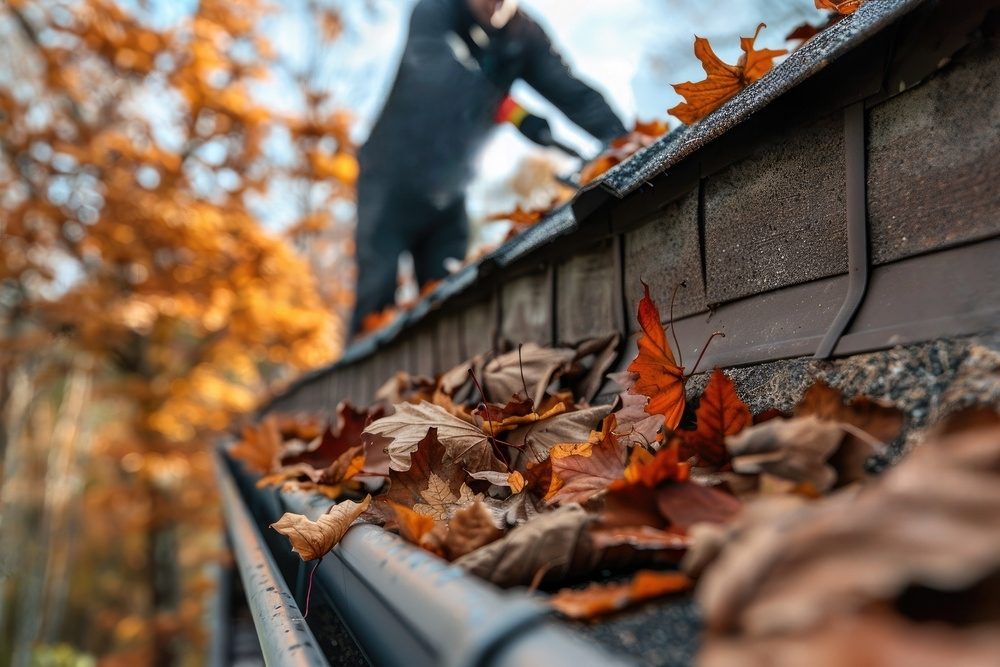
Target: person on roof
(460,59)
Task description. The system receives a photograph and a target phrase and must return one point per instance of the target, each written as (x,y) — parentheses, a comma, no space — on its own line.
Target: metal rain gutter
(405,606)
(285,639)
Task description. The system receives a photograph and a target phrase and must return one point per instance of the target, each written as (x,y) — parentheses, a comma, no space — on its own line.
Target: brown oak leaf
(723,81)
(313,539)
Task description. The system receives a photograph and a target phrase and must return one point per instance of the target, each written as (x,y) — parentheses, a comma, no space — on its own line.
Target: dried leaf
(635,425)
(340,436)
(260,447)
(720,413)
(723,81)
(434,484)
(622,148)
(557,541)
(413,526)
(535,440)
(800,450)
(600,599)
(659,377)
(466,443)
(470,528)
(313,539)
(840,6)
(932,522)
(579,472)
(883,421)
(537,365)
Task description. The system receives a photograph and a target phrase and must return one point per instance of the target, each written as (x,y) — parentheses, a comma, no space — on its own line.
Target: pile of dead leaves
(502,466)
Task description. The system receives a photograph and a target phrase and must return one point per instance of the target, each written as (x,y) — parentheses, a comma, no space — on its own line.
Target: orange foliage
(841,6)
(131,242)
(724,81)
(720,413)
(622,148)
(659,377)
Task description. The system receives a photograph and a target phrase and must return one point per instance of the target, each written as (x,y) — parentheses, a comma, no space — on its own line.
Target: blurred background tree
(142,306)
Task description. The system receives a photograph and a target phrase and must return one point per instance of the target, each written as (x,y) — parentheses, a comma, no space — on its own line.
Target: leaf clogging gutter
(403,605)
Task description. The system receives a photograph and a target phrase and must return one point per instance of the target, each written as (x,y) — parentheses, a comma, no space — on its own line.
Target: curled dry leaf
(534,367)
(932,522)
(600,599)
(343,434)
(720,413)
(883,421)
(557,540)
(465,443)
(723,80)
(659,378)
(413,526)
(314,539)
(532,442)
(804,450)
(874,637)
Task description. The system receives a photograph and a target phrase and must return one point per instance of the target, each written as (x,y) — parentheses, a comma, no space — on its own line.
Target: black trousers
(391,220)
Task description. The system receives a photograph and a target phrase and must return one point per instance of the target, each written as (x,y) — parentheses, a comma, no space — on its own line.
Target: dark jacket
(451,80)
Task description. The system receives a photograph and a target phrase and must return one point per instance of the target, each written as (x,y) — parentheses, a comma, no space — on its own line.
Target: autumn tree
(142,304)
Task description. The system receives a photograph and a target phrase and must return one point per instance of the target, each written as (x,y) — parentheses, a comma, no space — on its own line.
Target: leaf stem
(703,350)
(673,329)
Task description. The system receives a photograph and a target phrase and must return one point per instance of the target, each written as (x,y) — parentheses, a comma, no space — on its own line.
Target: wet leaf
(313,539)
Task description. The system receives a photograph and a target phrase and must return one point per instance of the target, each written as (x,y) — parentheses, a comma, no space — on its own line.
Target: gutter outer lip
(285,638)
(441,614)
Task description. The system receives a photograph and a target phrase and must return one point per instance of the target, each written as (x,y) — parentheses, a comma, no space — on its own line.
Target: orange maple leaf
(520,216)
(660,378)
(720,413)
(724,80)
(841,6)
(643,134)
